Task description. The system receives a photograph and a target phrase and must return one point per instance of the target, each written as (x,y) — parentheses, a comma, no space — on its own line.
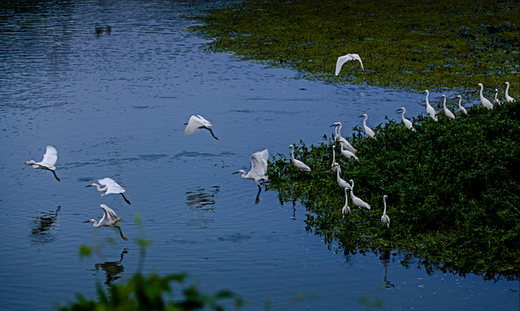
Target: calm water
(114,106)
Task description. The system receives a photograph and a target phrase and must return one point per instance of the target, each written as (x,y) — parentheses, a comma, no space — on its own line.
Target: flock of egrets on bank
(258,171)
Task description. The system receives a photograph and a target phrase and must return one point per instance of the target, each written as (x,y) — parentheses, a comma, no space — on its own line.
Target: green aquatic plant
(413,45)
(453,191)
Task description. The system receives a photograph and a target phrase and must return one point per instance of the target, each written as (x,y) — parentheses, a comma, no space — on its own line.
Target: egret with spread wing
(258,170)
(198,122)
(345,58)
(109,219)
(49,160)
(110,186)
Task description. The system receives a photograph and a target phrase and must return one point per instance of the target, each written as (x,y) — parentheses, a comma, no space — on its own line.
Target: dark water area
(114,104)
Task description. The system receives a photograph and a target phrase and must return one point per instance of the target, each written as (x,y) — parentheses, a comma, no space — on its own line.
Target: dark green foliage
(148,293)
(453,190)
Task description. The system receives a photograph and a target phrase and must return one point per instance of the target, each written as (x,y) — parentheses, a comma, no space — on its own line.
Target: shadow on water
(43,227)
(112,269)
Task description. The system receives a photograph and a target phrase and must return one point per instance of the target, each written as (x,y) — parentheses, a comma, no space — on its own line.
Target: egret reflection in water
(385,260)
(201,201)
(44,225)
(112,268)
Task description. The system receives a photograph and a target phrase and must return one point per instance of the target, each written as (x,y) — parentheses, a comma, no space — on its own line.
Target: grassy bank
(411,45)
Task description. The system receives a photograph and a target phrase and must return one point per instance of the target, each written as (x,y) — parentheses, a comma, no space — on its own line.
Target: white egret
(385,219)
(447,112)
(429,107)
(406,122)
(258,171)
(356,200)
(341,182)
(340,139)
(346,209)
(109,219)
(333,165)
(509,99)
(49,160)
(368,130)
(348,154)
(297,163)
(198,122)
(496,101)
(110,186)
(462,109)
(485,102)
(345,58)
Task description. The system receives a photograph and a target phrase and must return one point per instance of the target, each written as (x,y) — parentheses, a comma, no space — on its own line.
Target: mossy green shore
(453,186)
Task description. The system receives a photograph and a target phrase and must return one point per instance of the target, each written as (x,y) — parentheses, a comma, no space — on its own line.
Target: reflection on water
(43,227)
(201,202)
(112,268)
(385,260)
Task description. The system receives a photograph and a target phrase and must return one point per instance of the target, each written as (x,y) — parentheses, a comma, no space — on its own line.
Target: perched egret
(49,160)
(340,139)
(406,122)
(198,122)
(385,219)
(333,165)
(341,182)
(462,109)
(496,101)
(258,171)
(110,186)
(348,154)
(447,112)
(357,201)
(109,219)
(485,102)
(429,107)
(346,209)
(345,58)
(297,163)
(509,99)
(368,130)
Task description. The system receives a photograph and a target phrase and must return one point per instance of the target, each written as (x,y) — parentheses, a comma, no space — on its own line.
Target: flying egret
(341,182)
(406,122)
(509,99)
(429,107)
(345,58)
(340,139)
(462,109)
(356,200)
(49,160)
(447,112)
(109,219)
(258,171)
(496,101)
(368,130)
(346,209)
(198,122)
(333,165)
(297,163)
(110,186)
(348,154)
(385,219)
(485,102)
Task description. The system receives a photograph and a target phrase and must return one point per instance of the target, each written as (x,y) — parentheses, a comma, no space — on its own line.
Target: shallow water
(114,105)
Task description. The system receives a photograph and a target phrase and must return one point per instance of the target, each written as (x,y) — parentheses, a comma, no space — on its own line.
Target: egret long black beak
(86,221)
(236,172)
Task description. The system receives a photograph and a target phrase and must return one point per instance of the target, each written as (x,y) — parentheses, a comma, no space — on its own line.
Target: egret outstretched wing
(50,157)
(198,122)
(345,58)
(259,163)
(112,186)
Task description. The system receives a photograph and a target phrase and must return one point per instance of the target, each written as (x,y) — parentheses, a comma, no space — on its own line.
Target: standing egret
(109,219)
(462,109)
(496,101)
(345,58)
(49,160)
(333,165)
(110,186)
(348,154)
(258,171)
(447,112)
(198,122)
(485,102)
(385,219)
(429,107)
(346,209)
(341,182)
(357,201)
(509,99)
(297,163)
(340,139)
(406,122)
(368,130)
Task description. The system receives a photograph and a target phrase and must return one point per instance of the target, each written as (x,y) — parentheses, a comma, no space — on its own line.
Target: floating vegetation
(410,45)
